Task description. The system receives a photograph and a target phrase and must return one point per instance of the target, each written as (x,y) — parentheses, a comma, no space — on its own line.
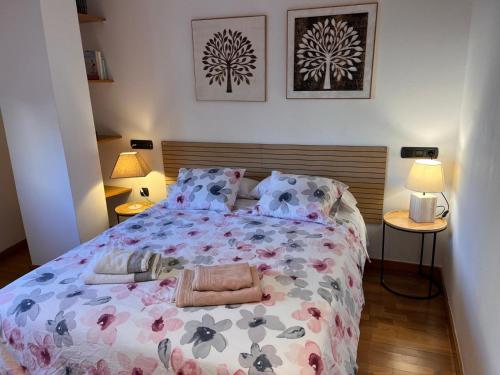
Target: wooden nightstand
(400,220)
(130,209)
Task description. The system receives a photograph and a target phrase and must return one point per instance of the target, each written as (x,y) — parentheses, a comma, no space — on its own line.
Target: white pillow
(348,199)
(261,188)
(299,197)
(246,187)
(205,189)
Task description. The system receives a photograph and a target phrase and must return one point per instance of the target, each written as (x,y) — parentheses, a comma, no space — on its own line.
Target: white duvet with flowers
(307,322)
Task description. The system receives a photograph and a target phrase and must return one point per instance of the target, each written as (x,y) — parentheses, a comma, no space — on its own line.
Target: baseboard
(454,340)
(16,247)
(391,265)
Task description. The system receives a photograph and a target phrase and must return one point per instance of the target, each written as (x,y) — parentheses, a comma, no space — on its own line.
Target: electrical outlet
(144,192)
(141,144)
(419,152)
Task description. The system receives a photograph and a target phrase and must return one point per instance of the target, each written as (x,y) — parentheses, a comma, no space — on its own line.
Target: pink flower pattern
(270,295)
(158,324)
(308,357)
(182,366)
(140,365)
(103,324)
(314,313)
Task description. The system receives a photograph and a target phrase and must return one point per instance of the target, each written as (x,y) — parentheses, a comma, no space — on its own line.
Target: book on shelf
(81,6)
(95,65)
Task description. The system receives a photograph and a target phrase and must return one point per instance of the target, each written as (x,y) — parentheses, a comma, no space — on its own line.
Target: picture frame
(330,52)
(230,58)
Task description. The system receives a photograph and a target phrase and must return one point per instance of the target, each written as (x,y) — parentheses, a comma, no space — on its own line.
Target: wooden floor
(399,336)
(402,336)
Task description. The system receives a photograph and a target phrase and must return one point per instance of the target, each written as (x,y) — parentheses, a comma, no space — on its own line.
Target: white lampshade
(426,176)
(130,164)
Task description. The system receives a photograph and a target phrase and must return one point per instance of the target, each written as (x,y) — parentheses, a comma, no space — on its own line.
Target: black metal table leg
(421,254)
(383,249)
(430,276)
(117,219)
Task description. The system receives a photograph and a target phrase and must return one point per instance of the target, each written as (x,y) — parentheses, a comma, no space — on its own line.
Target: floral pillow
(298,197)
(205,189)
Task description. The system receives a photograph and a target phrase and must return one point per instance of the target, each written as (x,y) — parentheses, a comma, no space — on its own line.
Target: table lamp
(426,177)
(130,164)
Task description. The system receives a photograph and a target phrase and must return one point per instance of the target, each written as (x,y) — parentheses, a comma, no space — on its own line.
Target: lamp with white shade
(426,177)
(131,164)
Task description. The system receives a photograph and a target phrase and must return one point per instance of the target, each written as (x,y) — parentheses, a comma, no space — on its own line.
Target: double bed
(306,323)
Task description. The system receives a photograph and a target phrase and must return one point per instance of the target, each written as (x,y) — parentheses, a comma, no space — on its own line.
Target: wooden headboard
(362,168)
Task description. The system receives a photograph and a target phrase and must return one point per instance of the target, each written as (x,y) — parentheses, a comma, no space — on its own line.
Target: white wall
(472,267)
(418,78)
(43,99)
(12,230)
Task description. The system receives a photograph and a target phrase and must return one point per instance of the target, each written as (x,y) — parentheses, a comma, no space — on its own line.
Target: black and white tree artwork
(329,48)
(229,56)
(330,52)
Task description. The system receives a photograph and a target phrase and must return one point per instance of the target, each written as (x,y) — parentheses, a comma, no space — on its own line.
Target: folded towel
(122,262)
(185,296)
(152,273)
(221,278)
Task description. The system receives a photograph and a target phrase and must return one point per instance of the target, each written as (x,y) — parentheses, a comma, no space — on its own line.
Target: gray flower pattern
(60,327)
(138,226)
(283,199)
(294,245)
(212,173)
(72,293)
(317,193)
(260,361)
(217,191)
(27,306)
(257,323)
(260,236)
(172,263)
(205,334)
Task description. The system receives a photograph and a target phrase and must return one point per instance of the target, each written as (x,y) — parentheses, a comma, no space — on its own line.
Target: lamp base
(423,207)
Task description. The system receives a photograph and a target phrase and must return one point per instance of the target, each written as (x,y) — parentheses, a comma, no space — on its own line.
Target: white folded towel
(152,273)
(122,262)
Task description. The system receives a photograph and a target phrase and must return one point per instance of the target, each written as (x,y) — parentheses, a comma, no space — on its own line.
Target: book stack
(81,6)
(95,65)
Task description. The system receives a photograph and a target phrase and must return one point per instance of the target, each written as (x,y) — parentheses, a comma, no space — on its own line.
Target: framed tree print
(230,58)
(330,52)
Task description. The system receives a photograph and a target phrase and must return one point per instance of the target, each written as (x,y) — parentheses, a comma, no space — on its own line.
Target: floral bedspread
(307,322)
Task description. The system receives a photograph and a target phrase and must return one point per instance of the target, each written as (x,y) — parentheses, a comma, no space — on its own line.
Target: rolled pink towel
(222,278)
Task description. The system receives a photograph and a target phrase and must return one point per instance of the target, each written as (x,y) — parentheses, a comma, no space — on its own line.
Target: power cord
(445,209)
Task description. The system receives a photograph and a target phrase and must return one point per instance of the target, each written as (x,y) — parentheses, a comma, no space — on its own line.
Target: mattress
(306,323)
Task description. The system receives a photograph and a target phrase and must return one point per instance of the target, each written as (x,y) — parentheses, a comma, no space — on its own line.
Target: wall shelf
(102,138)
(86,18)
(113,191)
(100,81)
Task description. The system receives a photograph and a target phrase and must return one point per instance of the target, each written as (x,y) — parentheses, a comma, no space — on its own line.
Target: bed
(306,323)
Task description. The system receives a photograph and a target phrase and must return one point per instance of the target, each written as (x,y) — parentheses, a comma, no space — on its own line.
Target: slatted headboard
(361,167)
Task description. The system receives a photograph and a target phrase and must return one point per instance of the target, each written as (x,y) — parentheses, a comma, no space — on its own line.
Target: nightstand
(130,209)
(400,220)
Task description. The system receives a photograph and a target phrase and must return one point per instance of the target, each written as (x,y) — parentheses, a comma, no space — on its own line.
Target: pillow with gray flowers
(205,189)
(300,197)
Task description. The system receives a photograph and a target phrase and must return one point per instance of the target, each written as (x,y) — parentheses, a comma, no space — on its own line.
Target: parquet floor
(399,336)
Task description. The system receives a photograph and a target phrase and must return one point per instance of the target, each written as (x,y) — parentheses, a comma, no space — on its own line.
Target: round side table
(400,220)
(130,209)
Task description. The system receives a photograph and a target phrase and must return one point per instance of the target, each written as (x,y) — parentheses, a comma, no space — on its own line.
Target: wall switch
(141,144)
(419,152)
